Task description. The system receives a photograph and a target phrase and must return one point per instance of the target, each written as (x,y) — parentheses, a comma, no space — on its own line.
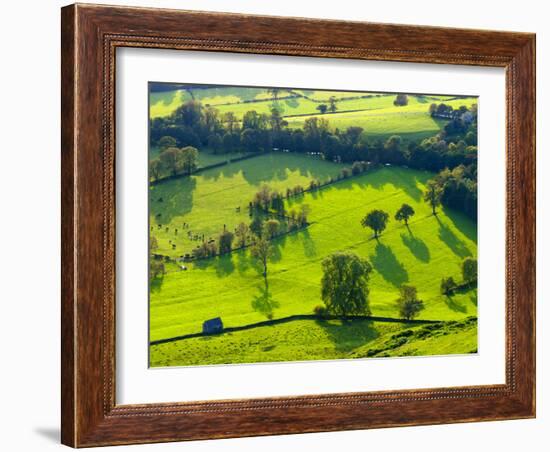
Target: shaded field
(232,287)
(320,340)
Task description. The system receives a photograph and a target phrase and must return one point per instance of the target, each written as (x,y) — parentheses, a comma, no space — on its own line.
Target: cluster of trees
(269,202)
(331,107)
(469,276)
(457,189)
(173,160)
(345,291)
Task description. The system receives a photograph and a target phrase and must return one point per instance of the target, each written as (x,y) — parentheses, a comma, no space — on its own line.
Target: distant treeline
(455,146)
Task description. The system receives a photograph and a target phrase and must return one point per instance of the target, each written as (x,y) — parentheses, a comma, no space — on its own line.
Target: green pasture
(209,200)
(304,340)
(232,286)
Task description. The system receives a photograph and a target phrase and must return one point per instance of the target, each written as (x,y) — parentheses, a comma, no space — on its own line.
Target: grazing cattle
(212,326)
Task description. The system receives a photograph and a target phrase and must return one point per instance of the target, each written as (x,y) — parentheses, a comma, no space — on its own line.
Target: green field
(187,210)
(306,340)
(374,112)
(232,286)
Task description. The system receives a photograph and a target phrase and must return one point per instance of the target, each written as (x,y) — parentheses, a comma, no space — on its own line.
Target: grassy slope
(231,286)
(410,121)
(307,340)
(208,200)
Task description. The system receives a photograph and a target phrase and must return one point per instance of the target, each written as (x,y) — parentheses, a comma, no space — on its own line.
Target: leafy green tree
(156,269)
(189,158)
(469,270)
(274,92)
(302,214)
(404,213)
(166,142)
(332,104)
(215,143)
(447,285)
(344,285)
(408,303)
(155,168)
(153,244)
(270,228)
(322,108)
(433,194)
(256,225)
(241,232)
(231,122)
(225,241)
(376,220)
(401,100)
(262,250)
(171,159)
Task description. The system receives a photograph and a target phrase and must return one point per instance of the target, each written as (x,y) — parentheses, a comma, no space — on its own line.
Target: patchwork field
(232,287)
(374,112)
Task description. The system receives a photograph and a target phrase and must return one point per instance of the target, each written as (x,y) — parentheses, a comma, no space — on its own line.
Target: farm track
(292,318)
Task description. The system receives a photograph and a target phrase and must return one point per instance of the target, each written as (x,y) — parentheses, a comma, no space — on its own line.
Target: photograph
(296,224)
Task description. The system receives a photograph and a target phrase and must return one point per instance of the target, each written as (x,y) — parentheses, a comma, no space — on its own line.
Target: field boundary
(292,318)
(207,167)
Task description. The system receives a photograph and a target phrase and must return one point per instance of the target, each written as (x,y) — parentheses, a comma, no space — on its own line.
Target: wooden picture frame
(90,36)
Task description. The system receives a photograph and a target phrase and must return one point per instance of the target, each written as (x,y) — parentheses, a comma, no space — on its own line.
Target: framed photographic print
(266,232)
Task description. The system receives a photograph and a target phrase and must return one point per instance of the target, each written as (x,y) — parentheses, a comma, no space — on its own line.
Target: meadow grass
(232,286)
(320,340)
(211,199)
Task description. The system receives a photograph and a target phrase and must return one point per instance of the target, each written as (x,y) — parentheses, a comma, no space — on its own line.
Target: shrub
(320,310)
(448,285)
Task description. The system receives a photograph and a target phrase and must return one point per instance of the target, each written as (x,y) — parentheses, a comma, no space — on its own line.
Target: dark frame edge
(68,211)
(92,419)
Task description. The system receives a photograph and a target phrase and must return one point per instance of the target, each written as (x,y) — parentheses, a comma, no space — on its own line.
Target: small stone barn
(212,326)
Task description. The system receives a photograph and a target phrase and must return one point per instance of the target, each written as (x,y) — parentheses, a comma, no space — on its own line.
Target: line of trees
(173,160)
(193,124)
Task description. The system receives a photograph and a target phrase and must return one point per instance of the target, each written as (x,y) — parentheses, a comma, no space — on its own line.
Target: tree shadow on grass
(310,250)
(349,335)
(171,199)
(156,284)
(454,305)
(456,245)
(417,247)
(464,224)
(385,263)
(263,302)
(223,265)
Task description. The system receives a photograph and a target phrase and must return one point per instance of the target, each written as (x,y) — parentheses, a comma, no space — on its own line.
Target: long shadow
(310,250)
(464,224)
(473,297)
(223,265)
(385,263)
(243,261)
(263,302)
(456,245)
(156,284)
(417,247)
(453,305)
(171,199)
(349,335)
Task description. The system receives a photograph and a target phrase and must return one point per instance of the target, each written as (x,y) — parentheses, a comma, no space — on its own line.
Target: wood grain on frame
(90,36)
